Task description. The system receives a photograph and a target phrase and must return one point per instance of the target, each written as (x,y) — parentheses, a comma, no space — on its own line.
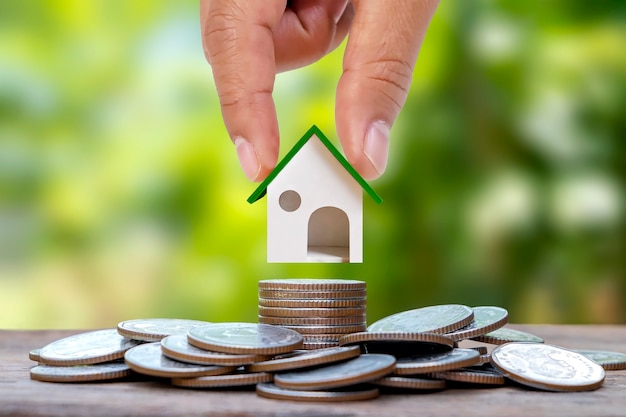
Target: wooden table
(19,395)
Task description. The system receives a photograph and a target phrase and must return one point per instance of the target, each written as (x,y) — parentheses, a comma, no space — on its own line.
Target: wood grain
(20,396)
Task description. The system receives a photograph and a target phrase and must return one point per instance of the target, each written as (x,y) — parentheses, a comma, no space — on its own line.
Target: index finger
(238,43)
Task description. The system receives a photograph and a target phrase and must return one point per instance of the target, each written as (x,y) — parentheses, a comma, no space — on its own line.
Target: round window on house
(289,200)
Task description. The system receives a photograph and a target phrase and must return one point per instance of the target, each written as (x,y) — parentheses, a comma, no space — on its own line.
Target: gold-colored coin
(313,321)
(334,330)
(312,285)
(80,373)
(411,383)
(311,312)
(273,391)
(238,379)
(312,295)
(313,303)
(305,358)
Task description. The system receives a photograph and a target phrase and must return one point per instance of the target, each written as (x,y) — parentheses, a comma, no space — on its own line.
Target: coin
(436,362)
(155,329)
(303,358)
(248,338)
(610,361)
(238,379)
(301,284)
(361,369)
(147,359)
(486,319)
(383,338)
(313,321)
(319,345)
(273,391)
(311,312)
(472,376)
(34,355)
(433,319)
(506,335)
(321,338)
(547,367)
(178,348)
(336,330)
(410,383)
(313,303)
(312,294)
(80,373)
(86,348)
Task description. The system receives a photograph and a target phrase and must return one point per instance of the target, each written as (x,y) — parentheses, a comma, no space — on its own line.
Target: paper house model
(314,204)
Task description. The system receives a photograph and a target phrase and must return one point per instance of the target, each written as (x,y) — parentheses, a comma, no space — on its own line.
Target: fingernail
(376,146)
(248,158)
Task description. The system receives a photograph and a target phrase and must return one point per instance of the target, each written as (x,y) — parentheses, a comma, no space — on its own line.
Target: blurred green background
(121,196)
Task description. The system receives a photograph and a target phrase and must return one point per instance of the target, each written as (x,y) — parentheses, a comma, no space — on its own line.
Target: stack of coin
(321,310)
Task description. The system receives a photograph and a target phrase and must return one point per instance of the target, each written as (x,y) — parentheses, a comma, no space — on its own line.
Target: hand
(248,41)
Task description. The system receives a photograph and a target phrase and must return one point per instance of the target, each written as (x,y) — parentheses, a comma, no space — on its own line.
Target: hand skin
(248,41)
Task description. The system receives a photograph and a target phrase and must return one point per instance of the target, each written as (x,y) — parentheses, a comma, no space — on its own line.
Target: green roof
(314,130)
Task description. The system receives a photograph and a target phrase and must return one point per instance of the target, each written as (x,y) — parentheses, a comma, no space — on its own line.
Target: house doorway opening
(329,236)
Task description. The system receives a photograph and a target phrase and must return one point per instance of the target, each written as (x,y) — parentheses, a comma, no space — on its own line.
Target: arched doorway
(329,236)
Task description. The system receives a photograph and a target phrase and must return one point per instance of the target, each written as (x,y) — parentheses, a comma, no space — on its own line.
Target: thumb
(377,71)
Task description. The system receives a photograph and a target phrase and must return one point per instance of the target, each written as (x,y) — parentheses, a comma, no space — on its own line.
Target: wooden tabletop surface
(19,395)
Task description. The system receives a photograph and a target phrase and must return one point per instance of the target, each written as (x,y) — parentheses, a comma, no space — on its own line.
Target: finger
(309,30)
(378,66)
(238,42)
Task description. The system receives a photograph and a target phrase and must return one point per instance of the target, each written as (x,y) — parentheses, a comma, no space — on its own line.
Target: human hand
(248,41)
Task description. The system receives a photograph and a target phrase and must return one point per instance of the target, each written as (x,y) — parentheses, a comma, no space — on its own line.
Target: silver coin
(86,348)
(307,284)
(147,359)
(155,329)
(612,361)
(506,335)
(547,367)
(305,358)
(436,362)
(177,347)
(240,338)
(34,355)
(365,368)
(357,393)
(97,372)
(433,319)
(486,319)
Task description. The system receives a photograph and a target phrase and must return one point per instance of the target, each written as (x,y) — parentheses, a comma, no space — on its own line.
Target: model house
(314,204)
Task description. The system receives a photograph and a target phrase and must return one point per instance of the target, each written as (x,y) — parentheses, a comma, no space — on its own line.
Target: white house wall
(321,181)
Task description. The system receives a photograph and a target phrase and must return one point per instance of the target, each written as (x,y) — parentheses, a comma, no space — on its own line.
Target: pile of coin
(425,349)
(321,310)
